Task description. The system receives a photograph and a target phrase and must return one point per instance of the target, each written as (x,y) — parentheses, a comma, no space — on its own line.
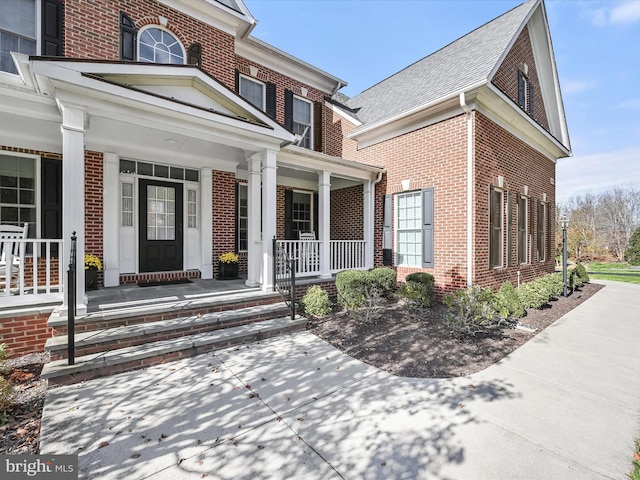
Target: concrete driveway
(566,405)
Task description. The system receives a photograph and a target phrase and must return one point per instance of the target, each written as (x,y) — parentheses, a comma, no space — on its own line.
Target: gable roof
(459,66)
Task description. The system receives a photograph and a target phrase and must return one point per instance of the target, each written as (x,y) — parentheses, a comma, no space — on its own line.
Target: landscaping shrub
(382,279)
(581,271)
(554,284)
(350,287)
(316,301)
(5,384)
(419,289)
(471,312)
(358,288)
(509,302)
(533,294)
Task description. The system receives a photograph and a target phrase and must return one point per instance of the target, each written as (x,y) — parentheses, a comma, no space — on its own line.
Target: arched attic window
(156,45)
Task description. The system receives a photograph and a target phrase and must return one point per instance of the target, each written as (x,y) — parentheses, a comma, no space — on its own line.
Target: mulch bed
(416,343)
(400,340)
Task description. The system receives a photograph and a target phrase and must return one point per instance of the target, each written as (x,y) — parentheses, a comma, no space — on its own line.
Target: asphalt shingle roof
(464,62)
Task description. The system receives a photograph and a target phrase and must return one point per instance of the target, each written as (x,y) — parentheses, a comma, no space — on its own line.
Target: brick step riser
(167,357)
(165,335)
(156,317)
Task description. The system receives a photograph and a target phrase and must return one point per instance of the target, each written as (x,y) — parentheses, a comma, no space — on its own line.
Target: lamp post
(564,223)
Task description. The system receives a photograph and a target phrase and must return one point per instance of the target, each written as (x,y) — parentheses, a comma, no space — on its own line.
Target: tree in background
(632,254)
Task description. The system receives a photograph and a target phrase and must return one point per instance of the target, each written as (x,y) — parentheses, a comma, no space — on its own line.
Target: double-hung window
(17,31)
(18,191)
(243,217)
(522,230)
(409,229)
(252,91)
(496,227)
(302,121)
(542,231)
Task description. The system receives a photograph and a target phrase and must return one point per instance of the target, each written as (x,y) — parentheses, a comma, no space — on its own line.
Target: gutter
(467,110)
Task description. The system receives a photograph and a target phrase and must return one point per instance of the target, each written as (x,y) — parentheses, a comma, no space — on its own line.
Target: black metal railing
(284,276)
(71,302)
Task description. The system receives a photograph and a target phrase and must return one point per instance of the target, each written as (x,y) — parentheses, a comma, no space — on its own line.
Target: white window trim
(262,84)
(38,185)
(244,186)
(311,206)
(502,227)
(396,218)
(293,119)
(159,27)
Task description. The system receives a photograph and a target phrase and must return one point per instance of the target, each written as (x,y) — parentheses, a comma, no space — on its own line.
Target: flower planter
(227,271)
(90,279)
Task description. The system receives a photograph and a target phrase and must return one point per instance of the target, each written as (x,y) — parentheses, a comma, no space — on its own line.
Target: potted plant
(91,266)
(227,266)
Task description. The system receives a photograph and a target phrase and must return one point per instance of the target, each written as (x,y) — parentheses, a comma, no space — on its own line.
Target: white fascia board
(308,160)
(505,113)
(77,85)
(215,15)
(294,182)
(413,113)
(342,113)
(264,54)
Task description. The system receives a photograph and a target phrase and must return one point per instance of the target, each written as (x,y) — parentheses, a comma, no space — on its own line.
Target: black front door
(160,226)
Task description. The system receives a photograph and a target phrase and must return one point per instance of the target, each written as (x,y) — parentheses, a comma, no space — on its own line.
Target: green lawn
(597,266)
(619,272)
(617,278)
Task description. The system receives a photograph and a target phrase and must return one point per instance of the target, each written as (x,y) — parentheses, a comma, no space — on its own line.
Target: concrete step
(100,364)
(96,341)
(132,313)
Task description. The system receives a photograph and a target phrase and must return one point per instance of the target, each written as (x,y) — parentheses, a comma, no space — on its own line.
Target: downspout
(467,110)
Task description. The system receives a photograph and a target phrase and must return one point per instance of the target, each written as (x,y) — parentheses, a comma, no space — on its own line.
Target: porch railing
(344,255)
(38,271)
(284,276)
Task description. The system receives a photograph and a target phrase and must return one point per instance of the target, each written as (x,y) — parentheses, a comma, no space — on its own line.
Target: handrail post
(71,302)
(294,267)
(274,252)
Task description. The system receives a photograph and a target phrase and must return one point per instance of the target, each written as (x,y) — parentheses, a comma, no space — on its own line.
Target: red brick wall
(92,32)
(25,334)
(94,206)
(506,77)
(224,215)
(347,213)
(500,153)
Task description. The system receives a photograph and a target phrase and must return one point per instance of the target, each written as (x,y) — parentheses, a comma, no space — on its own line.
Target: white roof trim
(342,113)
(298,157)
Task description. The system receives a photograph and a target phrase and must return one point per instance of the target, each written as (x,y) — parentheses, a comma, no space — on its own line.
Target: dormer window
(159,46)
(525,92)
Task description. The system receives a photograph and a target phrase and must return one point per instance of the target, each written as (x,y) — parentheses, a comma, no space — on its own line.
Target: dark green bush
(581,272)
(632,253)
(359,288)
(509,302)
(471,312)
(533,294)
(419,289)
(554,284)
(316,301)
(383,279)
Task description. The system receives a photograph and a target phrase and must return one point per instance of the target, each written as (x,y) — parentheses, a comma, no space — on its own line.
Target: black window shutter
(509,227)
(288,110)
(550,252)
(288,215)
(492,223)
(317,126)
(531,92)
(521,92)
(237,80)
(387,234)
(315,214)
(128,38)
(534,238)
(194,54)
(427,228)
(270,100)
(237,232)
(541,224)
(52,28)
(51,194)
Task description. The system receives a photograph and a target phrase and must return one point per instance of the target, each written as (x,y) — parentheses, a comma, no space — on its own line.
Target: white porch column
(72,129)
(254,246)
(111,216)
(324,223)
(206,223)
(269,218)
(368,189)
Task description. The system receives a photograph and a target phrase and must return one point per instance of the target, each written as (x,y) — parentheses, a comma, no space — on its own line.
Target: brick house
(164,134)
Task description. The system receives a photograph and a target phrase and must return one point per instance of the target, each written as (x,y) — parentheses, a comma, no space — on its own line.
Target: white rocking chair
(12,252)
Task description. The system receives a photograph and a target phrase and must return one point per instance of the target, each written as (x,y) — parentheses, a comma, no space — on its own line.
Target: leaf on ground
(286,399)
(248,386)
(200,441)
(253,395)
(260,447)
(180,461)
(22,431)
(164,436)
(338,367)
(263,379)
(135,455)
(460,405)
(73,409)
(103,444)
(204,475)
(472,387)
(300,419)
(384,464)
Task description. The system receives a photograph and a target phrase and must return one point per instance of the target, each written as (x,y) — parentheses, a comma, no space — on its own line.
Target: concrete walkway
(566,405)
